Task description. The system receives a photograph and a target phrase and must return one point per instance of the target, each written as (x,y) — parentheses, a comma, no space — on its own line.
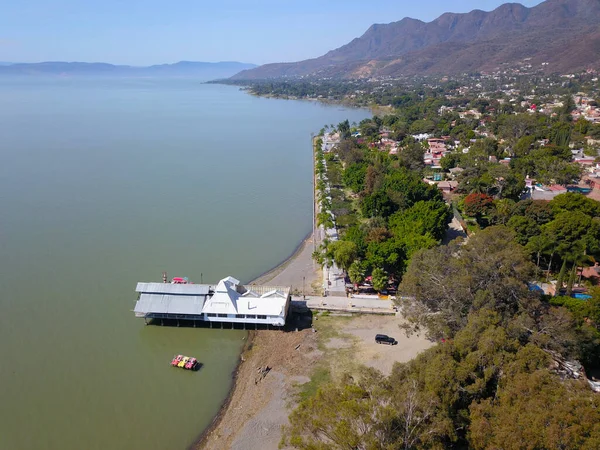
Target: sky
(145,32)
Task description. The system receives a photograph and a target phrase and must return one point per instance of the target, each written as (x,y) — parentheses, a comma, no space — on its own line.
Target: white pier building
(227,302)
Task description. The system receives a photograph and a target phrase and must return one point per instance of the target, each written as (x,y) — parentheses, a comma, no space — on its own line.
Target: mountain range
(563,35)
(200,70)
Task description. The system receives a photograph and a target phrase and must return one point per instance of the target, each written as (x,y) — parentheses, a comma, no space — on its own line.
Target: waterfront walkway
(344,304)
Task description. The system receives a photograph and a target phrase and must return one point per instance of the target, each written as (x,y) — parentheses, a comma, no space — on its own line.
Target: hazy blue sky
(152,31)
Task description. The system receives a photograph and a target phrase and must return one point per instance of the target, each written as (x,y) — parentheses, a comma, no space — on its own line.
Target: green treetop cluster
(495,380)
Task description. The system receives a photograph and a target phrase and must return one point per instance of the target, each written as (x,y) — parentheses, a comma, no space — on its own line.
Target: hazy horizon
(153,33)
(127,65)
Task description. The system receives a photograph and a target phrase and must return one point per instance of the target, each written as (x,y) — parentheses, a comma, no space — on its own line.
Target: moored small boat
(185,362)
(180,280)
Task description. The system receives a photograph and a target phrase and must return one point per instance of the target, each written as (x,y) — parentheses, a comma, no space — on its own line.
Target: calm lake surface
(102,184)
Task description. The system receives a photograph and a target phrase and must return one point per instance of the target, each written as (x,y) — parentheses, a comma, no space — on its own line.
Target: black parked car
(385,339)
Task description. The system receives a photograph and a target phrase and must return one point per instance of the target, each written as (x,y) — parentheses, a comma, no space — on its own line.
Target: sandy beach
(297,271)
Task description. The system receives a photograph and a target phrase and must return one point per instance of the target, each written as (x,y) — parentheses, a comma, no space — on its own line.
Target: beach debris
(262,373)
(297,347)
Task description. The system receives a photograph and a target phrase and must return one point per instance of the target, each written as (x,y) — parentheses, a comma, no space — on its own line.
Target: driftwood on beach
(262,373)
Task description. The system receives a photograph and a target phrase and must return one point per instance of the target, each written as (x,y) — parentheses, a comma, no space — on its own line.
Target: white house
(227,302)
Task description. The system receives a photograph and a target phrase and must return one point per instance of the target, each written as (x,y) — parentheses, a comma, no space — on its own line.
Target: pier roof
(169,304)
(227,297)
(166,298)
(177,289)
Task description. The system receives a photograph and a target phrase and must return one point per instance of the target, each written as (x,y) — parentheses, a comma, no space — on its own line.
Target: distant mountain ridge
(204,70)
(563,33)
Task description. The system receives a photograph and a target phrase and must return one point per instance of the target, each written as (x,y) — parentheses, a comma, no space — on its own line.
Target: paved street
(347,304)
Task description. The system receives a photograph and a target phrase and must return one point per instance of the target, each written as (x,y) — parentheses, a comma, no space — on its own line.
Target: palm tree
(356,272)
(380,279)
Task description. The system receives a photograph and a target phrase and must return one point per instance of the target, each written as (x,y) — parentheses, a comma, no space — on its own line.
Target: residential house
(447,186)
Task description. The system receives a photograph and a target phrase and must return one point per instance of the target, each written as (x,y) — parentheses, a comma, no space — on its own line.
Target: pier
(226,302)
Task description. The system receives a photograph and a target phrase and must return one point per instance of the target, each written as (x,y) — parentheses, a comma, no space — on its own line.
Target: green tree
(344,253)
(356,272)
(561,277)
(560,134)
(538,210)
(553,170)
(538,245)
(572,201)
(324,218)
(569,228)
(344,129)
(443,285)
(390,255)
(411,157)
(525,228)
(423,218)
(377,204)
(450,160)
(502,211)
(380,279)
(514,126)
(537,410)
(405,188)
(354,176)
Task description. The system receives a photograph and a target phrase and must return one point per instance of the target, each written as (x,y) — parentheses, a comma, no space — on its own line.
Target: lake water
(102,184)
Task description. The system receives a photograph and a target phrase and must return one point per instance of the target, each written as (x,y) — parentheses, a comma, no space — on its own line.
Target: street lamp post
(303,294)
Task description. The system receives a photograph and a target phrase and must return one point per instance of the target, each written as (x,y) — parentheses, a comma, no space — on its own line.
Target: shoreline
(375,109)
(265,277)
(292,271)
(216,422)
(288,264)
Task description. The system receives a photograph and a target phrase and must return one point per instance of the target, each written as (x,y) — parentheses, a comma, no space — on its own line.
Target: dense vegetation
(506,371)
(494,381)
(386,212)
(382,209)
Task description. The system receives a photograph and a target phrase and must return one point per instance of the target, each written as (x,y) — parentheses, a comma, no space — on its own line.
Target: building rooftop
(227,297)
